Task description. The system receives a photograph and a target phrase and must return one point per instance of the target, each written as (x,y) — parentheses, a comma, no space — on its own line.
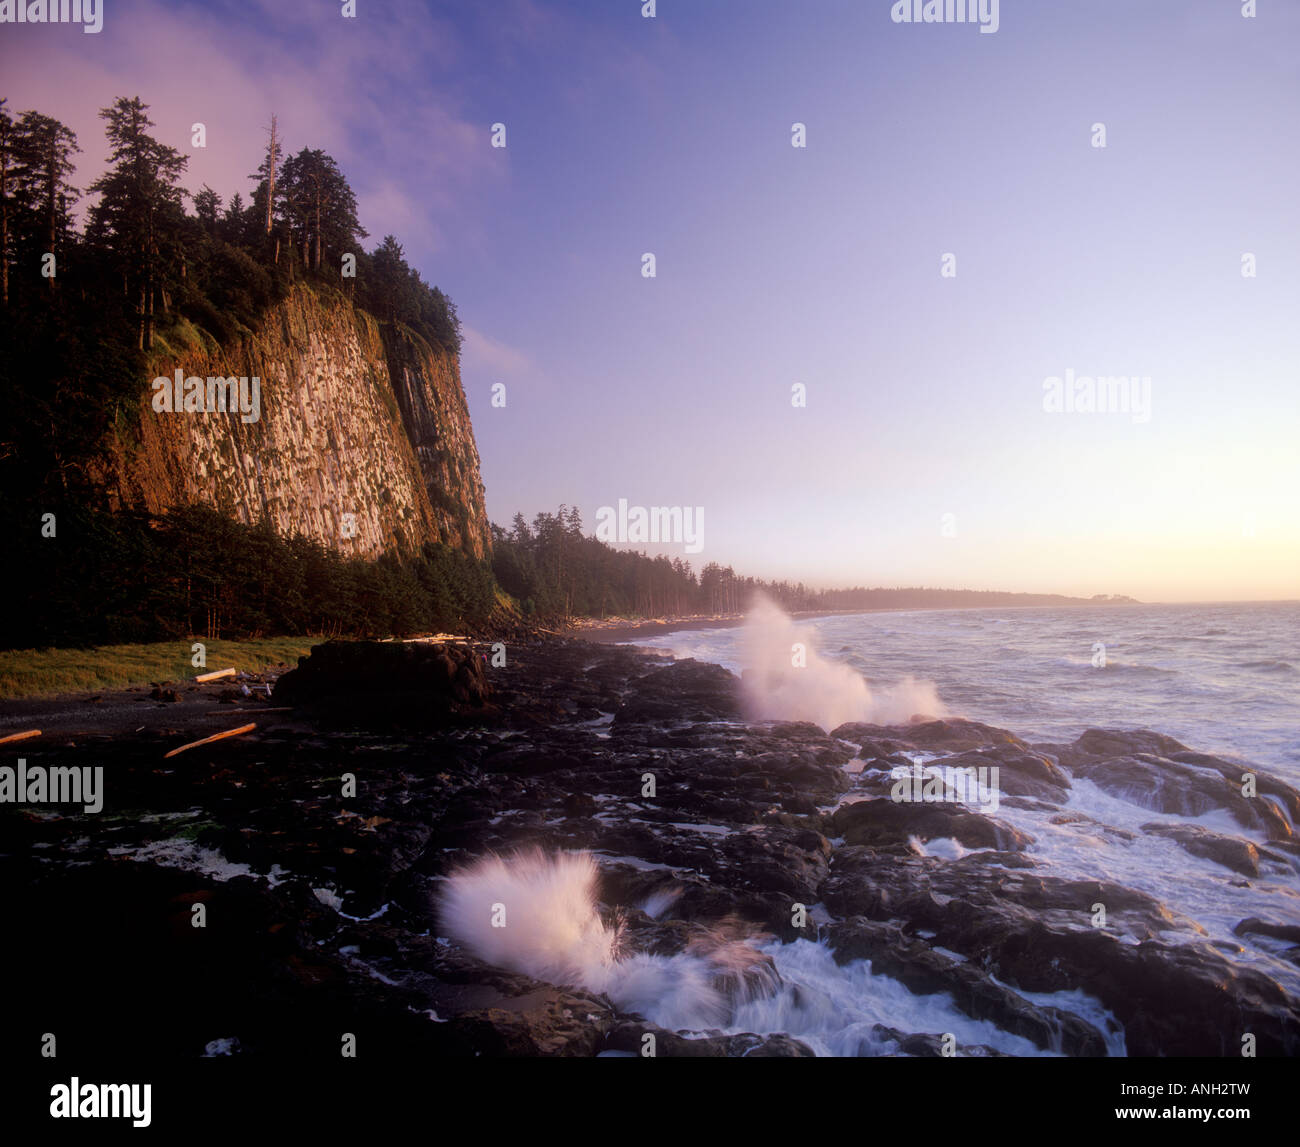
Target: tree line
(130,576)
(555,573)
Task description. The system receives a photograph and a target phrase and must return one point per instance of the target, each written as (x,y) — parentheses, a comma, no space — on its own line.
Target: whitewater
(1220,678)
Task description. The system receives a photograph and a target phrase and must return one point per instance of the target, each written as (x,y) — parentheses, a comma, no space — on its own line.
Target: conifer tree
(318,207)
(139,213)
(44,148)
(207,206)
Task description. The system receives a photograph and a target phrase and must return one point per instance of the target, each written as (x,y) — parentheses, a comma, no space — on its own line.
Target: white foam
(180,852)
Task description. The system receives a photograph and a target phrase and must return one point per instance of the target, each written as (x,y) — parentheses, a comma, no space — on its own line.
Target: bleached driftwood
(215,737)
(27,735)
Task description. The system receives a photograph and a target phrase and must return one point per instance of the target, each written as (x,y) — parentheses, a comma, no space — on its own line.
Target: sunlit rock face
(362,442)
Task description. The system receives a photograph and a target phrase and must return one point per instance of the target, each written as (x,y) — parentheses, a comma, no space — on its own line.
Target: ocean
(1222,678)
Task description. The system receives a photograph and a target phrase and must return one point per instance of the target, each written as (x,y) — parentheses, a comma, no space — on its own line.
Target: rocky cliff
(360,437)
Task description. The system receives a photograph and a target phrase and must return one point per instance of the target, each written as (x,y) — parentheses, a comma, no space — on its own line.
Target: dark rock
(1260,927)
(682,692)
(953,735)
(1020,773)
(550,1022)
(394,683)
(1159,773)
(1230,851)
(883,822)
(928,1045)
(1170,787)
(1035,934)
(1105,743)
(925,971)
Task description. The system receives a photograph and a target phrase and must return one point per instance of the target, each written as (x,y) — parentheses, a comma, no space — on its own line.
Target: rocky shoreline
(319,896)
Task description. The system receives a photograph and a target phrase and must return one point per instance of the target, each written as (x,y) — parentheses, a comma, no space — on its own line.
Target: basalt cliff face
(361,440)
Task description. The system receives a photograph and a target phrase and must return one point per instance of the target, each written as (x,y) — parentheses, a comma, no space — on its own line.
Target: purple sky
(924,454)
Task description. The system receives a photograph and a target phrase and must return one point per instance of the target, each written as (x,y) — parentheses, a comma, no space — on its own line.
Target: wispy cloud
(486,357)
(377,93)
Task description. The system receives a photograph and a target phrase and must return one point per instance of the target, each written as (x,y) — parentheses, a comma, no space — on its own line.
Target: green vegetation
(135,577)
(47,672)
(555,573)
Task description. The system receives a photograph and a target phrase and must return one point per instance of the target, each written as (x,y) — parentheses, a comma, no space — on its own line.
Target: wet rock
(1035,934)
(951,897)
(1020,773)
(579,804)
(548,1022)
(529,759)
(1100,744)
(883,822)
(953,735)
(1235,774)
(682,692)
(924,971)
(1172,999)
(1254,925)
(1157,772)
(1230,851)
(927,1045)
(1180,790)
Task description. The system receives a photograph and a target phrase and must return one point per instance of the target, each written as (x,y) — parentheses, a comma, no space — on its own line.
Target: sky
(923,453)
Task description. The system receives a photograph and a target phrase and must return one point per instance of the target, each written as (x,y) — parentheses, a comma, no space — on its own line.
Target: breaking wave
(785,678)
(537,914)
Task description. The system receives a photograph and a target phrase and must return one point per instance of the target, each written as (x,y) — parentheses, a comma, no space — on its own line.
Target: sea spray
(532,914)
(537,914)
(785,678)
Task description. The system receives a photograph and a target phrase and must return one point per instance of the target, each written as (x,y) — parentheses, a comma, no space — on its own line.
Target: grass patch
(29,673)
(173,341)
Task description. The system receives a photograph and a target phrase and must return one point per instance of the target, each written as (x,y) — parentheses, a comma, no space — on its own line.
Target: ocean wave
(1071,662)
(1138,667)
